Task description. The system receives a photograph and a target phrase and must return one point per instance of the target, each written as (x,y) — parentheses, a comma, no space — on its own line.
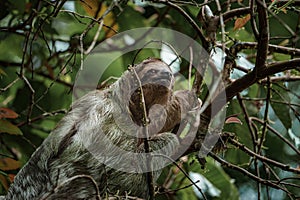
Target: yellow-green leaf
(7,127)
(96,8)
(2,72)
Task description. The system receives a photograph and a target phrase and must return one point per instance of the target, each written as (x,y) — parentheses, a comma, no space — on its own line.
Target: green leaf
(2,72)
(218,177)
(125,19)
(9,54)
(253,91)
(281,57)
(5,8)
(18,5)
(7,127)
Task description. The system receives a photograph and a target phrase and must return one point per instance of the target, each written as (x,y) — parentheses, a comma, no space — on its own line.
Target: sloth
(100,147)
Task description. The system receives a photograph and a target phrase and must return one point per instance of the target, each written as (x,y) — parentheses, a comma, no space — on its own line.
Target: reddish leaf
(11,177)
(50,70)
(240,22)
(7,113)
(9,164)
(7,127)
(4,182)
(230,120)
(28,7)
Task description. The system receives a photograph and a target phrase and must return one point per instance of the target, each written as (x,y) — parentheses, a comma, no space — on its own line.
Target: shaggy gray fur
(87,141)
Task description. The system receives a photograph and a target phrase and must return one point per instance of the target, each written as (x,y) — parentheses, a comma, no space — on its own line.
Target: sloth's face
(159,77)
(158,74)
(157,83)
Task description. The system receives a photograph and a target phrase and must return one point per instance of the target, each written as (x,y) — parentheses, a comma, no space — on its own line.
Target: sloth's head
(157,83)
(155,72)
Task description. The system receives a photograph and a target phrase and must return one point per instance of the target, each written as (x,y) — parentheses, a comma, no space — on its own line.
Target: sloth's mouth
(166,82)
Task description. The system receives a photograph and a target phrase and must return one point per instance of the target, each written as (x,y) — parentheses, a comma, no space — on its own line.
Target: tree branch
(263,38)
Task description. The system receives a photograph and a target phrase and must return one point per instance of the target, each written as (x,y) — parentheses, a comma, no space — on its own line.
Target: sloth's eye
(151,72)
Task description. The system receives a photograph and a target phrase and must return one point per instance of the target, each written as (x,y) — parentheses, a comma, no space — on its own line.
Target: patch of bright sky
(70,5)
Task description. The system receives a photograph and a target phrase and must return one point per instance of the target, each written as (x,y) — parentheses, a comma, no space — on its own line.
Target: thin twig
(185,174)
(190,67)
(277,134)
(263,158)
(149,172)
(190,20)
(266,114)
(9,85)
(246,172)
